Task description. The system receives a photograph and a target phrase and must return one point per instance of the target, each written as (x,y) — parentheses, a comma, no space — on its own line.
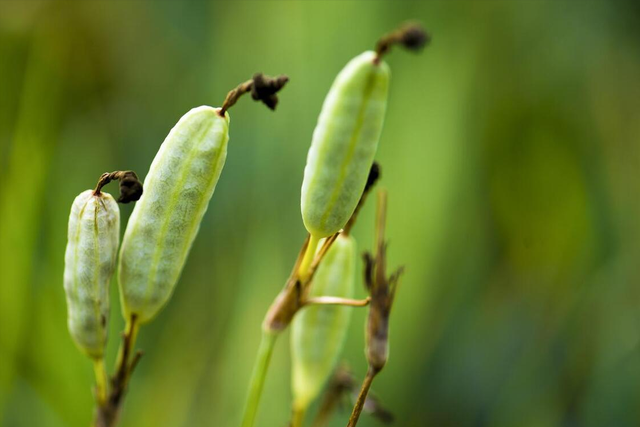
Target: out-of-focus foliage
(511,153)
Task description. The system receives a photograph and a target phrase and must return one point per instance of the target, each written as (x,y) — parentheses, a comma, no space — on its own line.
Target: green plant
(159,234)
(338,176)
(90,260)
(338,164)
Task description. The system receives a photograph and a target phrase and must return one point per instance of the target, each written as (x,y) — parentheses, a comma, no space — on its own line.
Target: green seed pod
(344,143)
(166,220)
(318,332)
(90,260)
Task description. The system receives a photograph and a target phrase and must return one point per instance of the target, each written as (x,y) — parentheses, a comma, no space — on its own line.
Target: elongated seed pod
(344,143)
(90,260)
(167,217)
(318,332)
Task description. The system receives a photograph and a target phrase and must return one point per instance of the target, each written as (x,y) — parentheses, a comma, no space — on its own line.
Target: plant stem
(329,300)
(297,417)
(309,255)
(362,397)
(258,376)
(101,380)
(131,331)
(108,410)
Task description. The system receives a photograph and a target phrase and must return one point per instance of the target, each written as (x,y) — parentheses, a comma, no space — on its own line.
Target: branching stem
(108,410)
(309,255)
(290,300)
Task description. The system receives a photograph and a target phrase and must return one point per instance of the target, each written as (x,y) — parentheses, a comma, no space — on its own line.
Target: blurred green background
(511,153)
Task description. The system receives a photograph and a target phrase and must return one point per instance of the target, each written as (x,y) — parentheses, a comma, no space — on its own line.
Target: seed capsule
(166,220)
(90,260)
(344,143)
(318,332)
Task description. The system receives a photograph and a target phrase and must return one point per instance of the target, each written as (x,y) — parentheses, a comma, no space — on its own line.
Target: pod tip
(262,87)
(411,36)
(130,185)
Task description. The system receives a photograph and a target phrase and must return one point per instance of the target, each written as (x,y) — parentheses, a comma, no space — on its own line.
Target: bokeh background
(511,153)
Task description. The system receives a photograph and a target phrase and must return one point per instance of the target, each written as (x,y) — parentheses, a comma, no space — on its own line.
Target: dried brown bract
(262,87)
(410,35)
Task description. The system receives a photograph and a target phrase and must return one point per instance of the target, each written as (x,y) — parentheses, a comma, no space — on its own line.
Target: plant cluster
(318,297)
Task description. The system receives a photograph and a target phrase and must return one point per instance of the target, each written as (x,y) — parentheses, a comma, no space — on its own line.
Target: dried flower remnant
(263,88)
(130,186)
(410,35)
(382,289)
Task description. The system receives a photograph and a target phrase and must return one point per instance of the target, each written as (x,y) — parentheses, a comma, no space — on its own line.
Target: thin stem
(234,95)
(381,219)
(327,300)
(101,380)
(297,417)
(362,397)
(131,330)
(309,255)
(258,377)
(108,411)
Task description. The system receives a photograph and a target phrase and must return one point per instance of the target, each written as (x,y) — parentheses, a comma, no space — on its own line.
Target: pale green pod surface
(166,219)
(90,260)
(343,145)
(318,332)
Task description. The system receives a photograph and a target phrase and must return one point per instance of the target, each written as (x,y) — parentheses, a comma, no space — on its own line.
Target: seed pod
(90,260)
(318,332)
(178,188)
(344,143)
(165,221)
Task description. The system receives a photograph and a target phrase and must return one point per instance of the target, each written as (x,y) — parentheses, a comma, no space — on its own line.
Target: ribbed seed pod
(344,143)
(90,260)
(167,217)
(318,332)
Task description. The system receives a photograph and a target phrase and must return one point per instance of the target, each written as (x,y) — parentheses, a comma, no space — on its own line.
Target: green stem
(101,380)
(258,377)
(297,417)
(309,255)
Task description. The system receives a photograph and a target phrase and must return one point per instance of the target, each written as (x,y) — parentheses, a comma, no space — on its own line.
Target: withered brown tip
(130,188)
